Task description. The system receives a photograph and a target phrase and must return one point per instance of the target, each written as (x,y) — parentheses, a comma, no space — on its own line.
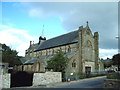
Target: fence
(73,77)
(76,76)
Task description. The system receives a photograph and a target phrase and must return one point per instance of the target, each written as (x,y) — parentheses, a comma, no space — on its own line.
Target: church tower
(88,50)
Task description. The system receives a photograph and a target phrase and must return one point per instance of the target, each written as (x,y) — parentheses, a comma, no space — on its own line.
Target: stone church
(80,46)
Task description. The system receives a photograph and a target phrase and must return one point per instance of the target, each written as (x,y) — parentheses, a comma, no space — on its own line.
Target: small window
(73,64)
(87,32)
(87,43)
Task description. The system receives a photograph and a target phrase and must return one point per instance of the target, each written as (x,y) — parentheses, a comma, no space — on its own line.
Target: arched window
(49,52)
(60,49)
(41,52)
(69,49)
(88,51)
(46,52)
(52,51)
(65,50)
(88,44)
(74,64)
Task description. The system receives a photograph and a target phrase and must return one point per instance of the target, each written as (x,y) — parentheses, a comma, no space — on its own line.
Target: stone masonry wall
(5,80)
(46,78)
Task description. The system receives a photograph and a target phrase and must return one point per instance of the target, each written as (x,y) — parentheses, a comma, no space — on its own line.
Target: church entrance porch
(89,67)
(87,71)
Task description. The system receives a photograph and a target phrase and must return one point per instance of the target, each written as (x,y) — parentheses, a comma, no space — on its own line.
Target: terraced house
(80,46)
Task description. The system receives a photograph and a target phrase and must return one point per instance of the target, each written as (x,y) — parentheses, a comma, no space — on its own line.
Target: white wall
(46,78)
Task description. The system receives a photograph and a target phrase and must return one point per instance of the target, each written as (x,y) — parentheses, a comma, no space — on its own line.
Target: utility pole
(118,44)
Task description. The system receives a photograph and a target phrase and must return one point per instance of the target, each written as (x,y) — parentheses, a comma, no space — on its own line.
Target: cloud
(17,39)
(36,13)
(105,53)
(102,17)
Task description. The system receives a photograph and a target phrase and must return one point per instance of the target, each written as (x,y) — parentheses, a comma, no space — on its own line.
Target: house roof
(0,48)
(3,64)
(68,38)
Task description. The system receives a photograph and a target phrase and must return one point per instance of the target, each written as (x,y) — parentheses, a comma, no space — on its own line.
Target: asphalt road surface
(90,83)
(96,83)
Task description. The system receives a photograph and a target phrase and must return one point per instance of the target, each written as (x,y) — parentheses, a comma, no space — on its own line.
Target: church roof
(65,39)
(30,61)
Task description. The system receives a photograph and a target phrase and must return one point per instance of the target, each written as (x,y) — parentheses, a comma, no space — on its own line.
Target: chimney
(41,40)
(44,38)
(30,43)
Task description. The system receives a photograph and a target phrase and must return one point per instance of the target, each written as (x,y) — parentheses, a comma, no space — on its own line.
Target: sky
(23,21)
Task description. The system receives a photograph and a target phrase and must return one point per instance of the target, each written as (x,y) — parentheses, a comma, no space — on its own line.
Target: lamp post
(1,52)
(118,53)
(118,44)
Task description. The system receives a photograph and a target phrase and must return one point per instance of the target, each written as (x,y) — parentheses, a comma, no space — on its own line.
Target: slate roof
(68,38)
(30,61)
(23,60)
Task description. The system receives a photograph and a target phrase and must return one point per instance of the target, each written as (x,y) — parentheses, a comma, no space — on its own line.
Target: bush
(82,77)
(113,75)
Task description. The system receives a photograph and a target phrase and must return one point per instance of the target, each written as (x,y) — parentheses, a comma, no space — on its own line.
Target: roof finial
(87,23)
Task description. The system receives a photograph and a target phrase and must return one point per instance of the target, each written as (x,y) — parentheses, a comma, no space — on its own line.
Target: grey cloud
(102,17)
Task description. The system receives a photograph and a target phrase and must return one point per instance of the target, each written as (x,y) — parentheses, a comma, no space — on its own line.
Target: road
(97,82)
(89,83)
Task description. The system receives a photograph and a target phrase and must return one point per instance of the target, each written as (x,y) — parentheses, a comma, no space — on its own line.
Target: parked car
(110,71)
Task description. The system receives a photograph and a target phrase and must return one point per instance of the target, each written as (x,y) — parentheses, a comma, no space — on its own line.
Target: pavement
(65,83)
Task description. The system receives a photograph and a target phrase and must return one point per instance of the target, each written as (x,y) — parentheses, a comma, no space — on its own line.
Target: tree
(107,63)
(58,62)
(116,60)
(9,56)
